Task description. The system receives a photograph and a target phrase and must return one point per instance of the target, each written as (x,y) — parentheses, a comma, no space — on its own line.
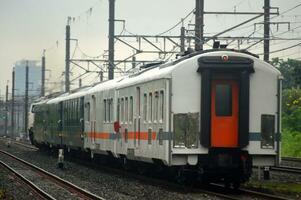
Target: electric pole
(43,75)
(133,62)
(6,111)
(26,101)
(67,58)
(111,38)
(266,44)
(182,39)
(199,24)
(80,83)
(13,104)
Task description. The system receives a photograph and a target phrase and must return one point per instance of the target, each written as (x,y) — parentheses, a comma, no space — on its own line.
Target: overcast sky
(29,26)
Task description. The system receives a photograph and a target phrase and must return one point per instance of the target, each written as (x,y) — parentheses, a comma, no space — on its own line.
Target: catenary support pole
(80,83)
(182,39)
(6,111)
(13,105)
(26,100)
(199,25)
(133,62)
(67,58)
(111,38)
(43,75)
(266,44)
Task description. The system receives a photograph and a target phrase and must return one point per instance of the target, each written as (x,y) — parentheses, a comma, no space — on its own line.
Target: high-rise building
(34,91)
(34,77)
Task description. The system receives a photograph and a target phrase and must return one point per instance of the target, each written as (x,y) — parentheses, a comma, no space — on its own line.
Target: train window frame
(223,105)
(267,122)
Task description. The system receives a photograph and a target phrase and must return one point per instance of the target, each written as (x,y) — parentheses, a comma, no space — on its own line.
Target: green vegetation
(276,188)
(291,106)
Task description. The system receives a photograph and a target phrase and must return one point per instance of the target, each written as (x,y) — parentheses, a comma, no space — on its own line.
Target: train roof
(159,71)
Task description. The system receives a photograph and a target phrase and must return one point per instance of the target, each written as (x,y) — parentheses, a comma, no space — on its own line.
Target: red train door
(224,113)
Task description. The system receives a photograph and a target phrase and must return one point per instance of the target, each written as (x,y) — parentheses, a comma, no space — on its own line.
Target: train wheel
(236,185)
(180,176)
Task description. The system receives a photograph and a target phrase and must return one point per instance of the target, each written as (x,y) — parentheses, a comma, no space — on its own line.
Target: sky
(30,26)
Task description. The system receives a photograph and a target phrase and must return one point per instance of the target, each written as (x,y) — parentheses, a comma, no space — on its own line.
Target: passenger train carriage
(215,113)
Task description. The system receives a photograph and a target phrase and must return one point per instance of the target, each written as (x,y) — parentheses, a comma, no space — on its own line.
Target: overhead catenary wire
(283,49)
(177,24)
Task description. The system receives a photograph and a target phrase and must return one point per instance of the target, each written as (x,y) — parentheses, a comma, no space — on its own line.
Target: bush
(291,123)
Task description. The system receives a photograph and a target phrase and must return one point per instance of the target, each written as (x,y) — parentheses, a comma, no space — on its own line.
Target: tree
(291,71)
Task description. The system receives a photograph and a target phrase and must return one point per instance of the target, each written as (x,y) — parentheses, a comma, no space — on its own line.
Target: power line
(177,24)
(283,49)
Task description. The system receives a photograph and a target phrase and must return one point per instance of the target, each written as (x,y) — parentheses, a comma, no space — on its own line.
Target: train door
(93,119)
(224,113)
(138,117)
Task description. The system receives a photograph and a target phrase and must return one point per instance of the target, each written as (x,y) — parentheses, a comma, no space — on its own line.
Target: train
(215,114)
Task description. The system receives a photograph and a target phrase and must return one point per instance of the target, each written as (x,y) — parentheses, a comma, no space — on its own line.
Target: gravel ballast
(104,184)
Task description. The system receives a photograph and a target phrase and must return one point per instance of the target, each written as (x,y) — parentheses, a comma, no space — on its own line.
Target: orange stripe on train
(131,135)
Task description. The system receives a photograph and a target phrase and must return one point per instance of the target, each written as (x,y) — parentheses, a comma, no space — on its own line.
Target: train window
(223,100)
(126,109)
(161,109)
(108,110)
(156,106)
(105,110)
(267,131)
(160,135)
(131,110)
(88,111)
(118,109)
(149,138)
(186,130)
(145,107)
(150,107)
(111,110)
(126,135)
(122,110)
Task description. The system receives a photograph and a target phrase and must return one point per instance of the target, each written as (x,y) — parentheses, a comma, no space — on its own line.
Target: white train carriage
(214,113)
(215,103)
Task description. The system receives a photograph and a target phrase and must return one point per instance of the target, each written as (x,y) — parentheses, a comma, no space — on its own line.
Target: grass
(273,187)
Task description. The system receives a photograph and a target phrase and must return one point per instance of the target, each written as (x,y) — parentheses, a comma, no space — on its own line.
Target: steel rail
(287,169)
(294,159)
(34,187)
(68,185)
(207,191)
(251,193)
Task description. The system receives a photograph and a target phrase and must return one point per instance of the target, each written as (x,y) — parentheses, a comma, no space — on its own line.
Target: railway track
(287,169)
(55,186)
(245,193)
(212,189)
(291,159)
(27,145)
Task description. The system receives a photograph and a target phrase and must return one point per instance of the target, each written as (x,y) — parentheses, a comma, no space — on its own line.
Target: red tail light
(117,126)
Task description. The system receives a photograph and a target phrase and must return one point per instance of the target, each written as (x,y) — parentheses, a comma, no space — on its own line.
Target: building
(34,76)
(34,90)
